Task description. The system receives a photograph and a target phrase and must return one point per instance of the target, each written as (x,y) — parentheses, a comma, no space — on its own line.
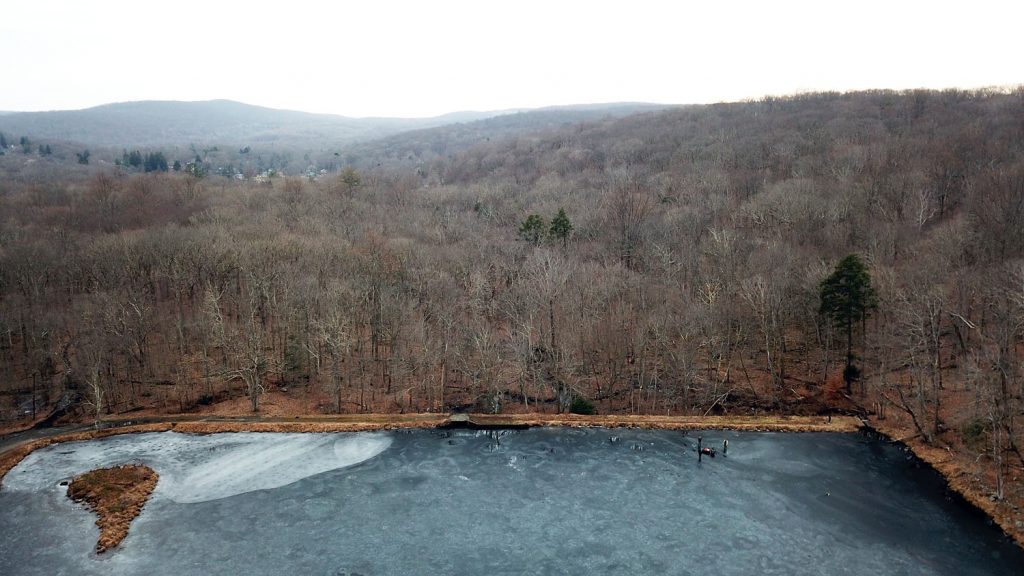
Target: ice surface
(542,501)
(202,468)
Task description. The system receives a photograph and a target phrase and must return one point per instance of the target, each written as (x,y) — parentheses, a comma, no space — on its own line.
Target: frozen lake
(540,501)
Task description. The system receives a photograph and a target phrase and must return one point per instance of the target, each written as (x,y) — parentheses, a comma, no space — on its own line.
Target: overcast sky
(428,57)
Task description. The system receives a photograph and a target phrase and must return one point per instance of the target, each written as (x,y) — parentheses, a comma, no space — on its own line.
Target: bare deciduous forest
(433,273)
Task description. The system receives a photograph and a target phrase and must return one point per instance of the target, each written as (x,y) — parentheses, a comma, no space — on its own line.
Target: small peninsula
(117,495)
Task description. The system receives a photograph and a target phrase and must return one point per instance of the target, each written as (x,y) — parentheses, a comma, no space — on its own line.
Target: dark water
(542,501)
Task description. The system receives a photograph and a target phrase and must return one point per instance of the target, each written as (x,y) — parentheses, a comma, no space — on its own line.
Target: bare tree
(244,347)
(545,274)
(627,205)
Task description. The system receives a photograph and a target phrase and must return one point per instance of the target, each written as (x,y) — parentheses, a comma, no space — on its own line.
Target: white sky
(428,57)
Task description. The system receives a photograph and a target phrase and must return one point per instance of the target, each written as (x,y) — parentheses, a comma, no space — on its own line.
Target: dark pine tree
(561,227)
(532,230)
(846,298)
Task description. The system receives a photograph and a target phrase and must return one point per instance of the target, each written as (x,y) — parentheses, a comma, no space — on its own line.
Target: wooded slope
(688,282)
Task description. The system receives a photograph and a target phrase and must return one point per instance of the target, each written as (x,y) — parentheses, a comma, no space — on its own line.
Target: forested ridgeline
(665,262)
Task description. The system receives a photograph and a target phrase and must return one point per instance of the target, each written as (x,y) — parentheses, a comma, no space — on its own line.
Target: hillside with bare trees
(684,274)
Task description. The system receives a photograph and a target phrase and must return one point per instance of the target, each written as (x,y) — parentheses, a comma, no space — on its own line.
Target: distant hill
(424,145)
(162,123)
(158,123)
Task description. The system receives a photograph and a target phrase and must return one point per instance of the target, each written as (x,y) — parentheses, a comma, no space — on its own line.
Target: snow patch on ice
(202,468)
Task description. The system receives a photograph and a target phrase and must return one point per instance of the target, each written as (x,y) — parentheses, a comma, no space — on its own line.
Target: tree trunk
(849,357)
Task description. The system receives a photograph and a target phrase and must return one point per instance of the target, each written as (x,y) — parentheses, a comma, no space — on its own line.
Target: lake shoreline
(188,424)
(956,480)
(374,422)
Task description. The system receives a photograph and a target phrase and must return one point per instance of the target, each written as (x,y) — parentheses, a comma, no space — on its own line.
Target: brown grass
(17,426)
(117,495)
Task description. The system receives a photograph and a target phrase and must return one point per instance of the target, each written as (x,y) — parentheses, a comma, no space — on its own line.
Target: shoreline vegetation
(937,458)
(117,496)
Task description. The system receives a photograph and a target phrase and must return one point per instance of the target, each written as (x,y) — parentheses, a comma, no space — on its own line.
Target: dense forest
(664,262)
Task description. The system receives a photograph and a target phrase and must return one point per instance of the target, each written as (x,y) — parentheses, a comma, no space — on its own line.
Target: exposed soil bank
(1003,513)
(117,495)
